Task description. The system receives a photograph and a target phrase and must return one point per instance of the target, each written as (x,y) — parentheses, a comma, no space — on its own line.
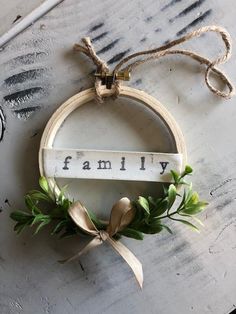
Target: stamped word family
(110,165)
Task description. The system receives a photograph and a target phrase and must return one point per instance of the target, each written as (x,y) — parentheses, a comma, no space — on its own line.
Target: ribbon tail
(130,259)
(92,244)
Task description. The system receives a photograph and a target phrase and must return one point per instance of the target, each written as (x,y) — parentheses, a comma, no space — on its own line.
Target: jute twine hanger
(123,69)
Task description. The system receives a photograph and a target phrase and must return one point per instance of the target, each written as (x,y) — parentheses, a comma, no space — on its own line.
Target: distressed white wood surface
(13,11)
(183,273)
(110,165)
(22,23)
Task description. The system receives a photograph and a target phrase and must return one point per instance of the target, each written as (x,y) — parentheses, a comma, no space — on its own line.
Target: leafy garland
(45,208)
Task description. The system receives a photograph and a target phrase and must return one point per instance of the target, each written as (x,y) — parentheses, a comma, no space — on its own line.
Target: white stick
(110,165)
(28,20)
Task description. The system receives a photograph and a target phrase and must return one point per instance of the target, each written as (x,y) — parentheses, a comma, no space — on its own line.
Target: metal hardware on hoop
(108,78)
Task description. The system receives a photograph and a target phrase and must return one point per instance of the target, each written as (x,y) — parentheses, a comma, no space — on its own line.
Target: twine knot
(125,66)
(102,68)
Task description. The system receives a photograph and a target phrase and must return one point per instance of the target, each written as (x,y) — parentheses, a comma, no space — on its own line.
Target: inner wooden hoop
(86,96)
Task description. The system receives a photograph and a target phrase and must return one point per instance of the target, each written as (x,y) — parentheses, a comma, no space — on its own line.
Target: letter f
(66,162)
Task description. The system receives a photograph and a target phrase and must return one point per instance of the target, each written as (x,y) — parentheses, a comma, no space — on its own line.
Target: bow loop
(80,216)
(122,214)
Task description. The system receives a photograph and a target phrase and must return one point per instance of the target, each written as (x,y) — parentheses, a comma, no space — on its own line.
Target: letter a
(86,165)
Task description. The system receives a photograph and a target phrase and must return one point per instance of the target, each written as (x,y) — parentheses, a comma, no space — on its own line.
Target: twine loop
(156,53)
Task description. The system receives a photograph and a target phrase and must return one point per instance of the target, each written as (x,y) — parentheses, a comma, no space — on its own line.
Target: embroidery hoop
(77,211)
(88,95)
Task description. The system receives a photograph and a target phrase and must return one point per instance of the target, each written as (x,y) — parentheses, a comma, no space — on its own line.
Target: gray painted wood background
(183,273)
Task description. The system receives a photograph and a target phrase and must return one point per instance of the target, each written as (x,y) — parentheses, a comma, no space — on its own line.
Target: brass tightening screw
(123,75)
(108,78)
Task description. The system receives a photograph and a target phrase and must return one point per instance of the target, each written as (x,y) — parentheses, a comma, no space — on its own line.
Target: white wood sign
(110,165)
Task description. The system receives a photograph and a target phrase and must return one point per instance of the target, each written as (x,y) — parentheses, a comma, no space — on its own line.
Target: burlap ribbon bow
(122,214)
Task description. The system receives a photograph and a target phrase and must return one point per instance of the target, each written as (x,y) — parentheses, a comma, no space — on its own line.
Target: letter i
(142,163)
(122,163)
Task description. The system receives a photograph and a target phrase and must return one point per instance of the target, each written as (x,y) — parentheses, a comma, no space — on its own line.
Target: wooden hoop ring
(86,96)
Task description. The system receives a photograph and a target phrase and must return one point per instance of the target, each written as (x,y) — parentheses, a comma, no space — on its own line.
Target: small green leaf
(66,204)
(194,209)
(151,201)
(188,170)
(44,184)
(193,217)
(39,196)
(19,227)
(182,201)
(41,225)
(29,202)
(167,228)
(194,198)
(139,215)
(189,193)
(143,202)
(160,209)
(40,218)
(198,221)
(165,190)
(171,195)
(153,227)
(132,233)
(69,232)
(175,176)
(95,220)
(20,216)
(183,182)
(36,211)
(189,224)
(61,197)
(31,205)
(58,228)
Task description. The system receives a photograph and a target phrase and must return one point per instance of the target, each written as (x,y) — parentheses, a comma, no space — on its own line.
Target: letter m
(104,164)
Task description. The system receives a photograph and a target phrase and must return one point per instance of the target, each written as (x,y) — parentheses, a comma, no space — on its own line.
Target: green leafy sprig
(152,213)
(44,207)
